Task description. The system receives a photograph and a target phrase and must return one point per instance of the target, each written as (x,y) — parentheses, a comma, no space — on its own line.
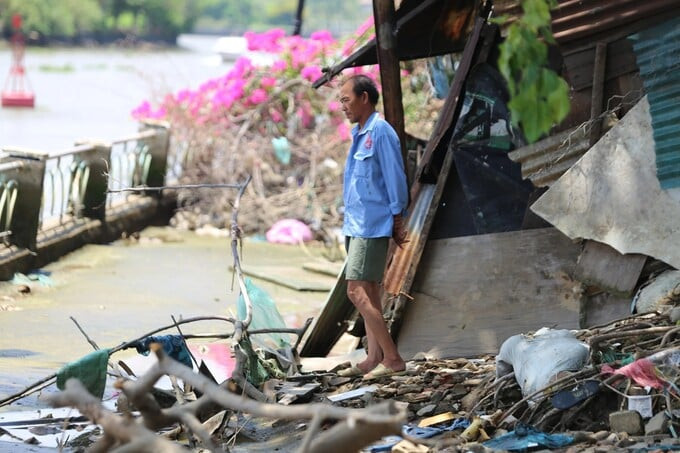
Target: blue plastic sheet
(36,276)
(525,436)
(173,345)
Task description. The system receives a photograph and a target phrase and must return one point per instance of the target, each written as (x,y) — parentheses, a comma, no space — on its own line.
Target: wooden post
(388,60)
(598,91)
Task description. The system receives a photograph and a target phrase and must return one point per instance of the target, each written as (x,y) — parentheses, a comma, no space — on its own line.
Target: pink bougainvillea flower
(275,115)
(322,35)
(279,66)
(246,84)
(343,131)
(242,66)
(311,73)
(267,82)
(270,41)
(258,96)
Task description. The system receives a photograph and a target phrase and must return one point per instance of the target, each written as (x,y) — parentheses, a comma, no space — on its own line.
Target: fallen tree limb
(118,431)
(596,340)
(358,427)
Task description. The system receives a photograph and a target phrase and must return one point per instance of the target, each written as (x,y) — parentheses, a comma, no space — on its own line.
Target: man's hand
(399,231)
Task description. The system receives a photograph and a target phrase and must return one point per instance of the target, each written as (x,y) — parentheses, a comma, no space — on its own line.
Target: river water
(87,93)
(120,290)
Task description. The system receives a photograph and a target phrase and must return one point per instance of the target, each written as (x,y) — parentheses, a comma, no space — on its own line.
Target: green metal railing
(9,189)
(42,193)
(130,165)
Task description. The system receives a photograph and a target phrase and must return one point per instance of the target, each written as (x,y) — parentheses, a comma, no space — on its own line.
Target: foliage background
(47,21)
(267,121)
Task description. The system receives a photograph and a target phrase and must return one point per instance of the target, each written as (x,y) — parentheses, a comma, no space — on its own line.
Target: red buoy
(17,90)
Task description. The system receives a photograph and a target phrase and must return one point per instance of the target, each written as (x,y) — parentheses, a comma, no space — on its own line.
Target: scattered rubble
(625,396)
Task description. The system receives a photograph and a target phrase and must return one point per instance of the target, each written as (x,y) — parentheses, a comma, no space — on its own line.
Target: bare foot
(367,366)
(395,365)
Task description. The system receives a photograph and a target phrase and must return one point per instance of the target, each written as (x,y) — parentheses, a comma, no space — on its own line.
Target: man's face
(352,105)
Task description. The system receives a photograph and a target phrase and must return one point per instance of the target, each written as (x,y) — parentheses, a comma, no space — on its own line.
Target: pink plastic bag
(289,231)
(642,371)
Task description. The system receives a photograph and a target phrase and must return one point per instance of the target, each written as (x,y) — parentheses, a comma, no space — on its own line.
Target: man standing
(375,196)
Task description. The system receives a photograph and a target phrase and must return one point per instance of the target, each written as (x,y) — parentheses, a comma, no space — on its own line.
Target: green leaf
(539,98)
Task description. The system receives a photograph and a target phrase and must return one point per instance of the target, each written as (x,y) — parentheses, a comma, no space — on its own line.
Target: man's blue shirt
(375,186)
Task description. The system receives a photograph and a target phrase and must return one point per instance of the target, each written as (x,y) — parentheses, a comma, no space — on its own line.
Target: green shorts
(366,258)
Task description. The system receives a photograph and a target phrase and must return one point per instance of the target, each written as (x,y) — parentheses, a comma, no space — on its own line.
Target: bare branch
(175,187)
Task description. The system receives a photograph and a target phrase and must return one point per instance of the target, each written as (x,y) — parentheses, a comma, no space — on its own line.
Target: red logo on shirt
(368,143)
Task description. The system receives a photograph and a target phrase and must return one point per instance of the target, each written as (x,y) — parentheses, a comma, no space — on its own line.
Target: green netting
(265,316)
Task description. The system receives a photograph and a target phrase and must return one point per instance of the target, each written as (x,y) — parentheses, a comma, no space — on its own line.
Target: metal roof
(545,161)
(658,57)
(436,27)
(582,23)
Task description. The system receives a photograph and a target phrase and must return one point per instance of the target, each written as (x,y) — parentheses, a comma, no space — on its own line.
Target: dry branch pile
(468,388)
(308,187)
(462,388)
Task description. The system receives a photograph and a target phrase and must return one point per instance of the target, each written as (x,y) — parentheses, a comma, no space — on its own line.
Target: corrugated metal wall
(582,23)
(658,56)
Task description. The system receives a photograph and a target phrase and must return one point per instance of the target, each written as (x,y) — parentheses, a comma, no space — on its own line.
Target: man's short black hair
(361,83)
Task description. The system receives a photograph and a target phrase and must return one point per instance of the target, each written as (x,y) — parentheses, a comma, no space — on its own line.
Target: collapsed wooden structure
(481,265)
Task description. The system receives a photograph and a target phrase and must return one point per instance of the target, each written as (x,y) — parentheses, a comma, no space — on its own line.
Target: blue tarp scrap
(525,436)
(35,276)
(426,432)
(173,345)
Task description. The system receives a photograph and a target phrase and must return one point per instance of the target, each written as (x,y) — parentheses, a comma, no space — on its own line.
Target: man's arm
(399,231)
(392,168)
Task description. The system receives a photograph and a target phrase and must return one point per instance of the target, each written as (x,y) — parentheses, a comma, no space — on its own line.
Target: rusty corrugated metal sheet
(658,57)
(545,161)
(403,257)
(584,22)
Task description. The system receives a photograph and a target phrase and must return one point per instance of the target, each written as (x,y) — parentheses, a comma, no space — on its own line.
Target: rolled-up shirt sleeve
(392,167)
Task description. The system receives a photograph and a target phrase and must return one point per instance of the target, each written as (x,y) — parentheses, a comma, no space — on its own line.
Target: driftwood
(121,433)
(359,427)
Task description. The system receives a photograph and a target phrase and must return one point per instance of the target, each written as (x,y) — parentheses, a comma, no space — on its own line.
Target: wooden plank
(330,324)
(390,73)
(325,268)
(579,64)
(603,308)
(471,293)
(289,277)
(602,266)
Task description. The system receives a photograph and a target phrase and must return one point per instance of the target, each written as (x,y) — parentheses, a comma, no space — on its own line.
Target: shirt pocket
(363,163)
